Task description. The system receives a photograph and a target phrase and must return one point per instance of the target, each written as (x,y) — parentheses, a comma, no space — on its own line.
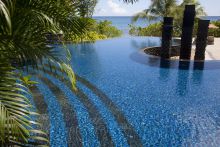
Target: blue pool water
(127,99)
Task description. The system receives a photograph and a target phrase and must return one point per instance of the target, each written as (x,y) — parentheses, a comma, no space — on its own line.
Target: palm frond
(24,44)
(15,110)
(130,1)
(31,20)
(5,16)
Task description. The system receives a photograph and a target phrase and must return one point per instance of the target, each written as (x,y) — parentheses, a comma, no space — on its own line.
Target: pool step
(74,136)
(101,129)
(127,129)
(41,107)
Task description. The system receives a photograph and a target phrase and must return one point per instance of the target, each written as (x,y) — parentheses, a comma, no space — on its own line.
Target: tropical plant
(155,30)
(16,125)
(130,1)
(96,30)
(157,8)
(199,9)
(105,28)
(167,8)
(178,14)
(86,7)
(24,45)
(151,30)
(215,31)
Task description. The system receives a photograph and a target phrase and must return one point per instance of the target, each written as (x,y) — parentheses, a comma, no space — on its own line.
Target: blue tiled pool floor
(122,101)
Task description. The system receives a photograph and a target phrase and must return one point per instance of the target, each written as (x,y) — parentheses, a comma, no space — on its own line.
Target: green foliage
(157,8)
(105,28)
(85,7)
(151,30)
(23,44)
(26,80)
(168,8)
(97,31)
(90,36)
(178,15)
(164,8)
(156,30)
(215,32)
(15,110)
(130,1)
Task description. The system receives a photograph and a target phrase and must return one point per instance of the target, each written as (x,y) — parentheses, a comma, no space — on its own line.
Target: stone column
(187,32)
(167,37)
(201,40)
(198,65)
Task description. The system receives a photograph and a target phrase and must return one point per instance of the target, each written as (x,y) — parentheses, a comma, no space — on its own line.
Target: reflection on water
(155,61)
(183,74)
(85,56)
(199,65)
(164,74)
(182,82)
(197,72)
(146,43)
(183,77)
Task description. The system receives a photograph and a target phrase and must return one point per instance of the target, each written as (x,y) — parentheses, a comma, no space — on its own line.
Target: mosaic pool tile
(164,106)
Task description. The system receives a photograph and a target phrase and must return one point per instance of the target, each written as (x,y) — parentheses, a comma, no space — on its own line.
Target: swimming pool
(126,98)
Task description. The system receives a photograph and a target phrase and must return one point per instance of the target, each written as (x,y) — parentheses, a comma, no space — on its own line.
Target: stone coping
(212,51)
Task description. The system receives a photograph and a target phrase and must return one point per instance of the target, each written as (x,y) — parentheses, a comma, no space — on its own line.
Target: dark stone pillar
(164,63)
(167,37)
(187,32)
(198,65)
(184,65)
(201,40)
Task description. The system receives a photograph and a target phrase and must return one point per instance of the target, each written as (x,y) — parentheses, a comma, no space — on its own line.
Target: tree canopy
(86,7)
(165,8)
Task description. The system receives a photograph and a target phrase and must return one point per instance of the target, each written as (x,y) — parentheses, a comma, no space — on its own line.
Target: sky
(118,8)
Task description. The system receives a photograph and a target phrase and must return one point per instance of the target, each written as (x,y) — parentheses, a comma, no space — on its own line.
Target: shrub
(151,30)
(96,31)
(90,36)
(156,30)
(105,28)
(215,32)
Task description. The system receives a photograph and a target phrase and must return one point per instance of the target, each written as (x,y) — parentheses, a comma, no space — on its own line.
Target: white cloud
(100,11)
(116,8)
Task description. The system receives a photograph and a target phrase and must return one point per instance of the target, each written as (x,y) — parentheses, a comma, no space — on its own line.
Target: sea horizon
(123,22)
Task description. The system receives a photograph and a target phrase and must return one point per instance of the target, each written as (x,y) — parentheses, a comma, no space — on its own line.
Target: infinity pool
(126,98)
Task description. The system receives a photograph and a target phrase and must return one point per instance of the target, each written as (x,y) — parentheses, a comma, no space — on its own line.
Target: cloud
(116,8)
(100,11)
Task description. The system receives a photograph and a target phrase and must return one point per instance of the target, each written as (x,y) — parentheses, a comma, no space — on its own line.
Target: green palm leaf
(15,112)
(24,45)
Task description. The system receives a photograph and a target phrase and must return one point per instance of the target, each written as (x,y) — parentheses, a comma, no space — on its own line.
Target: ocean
(122,22)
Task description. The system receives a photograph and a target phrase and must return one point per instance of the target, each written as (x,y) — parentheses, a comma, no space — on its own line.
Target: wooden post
(187,32)
(201,40)
(167,37)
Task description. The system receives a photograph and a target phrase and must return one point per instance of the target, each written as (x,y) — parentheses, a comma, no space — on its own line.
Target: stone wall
(156,51)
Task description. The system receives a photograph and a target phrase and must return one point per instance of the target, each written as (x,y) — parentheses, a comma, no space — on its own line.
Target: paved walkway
(212,51)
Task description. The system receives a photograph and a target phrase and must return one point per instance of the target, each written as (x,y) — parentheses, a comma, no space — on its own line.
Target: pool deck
(212,51)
